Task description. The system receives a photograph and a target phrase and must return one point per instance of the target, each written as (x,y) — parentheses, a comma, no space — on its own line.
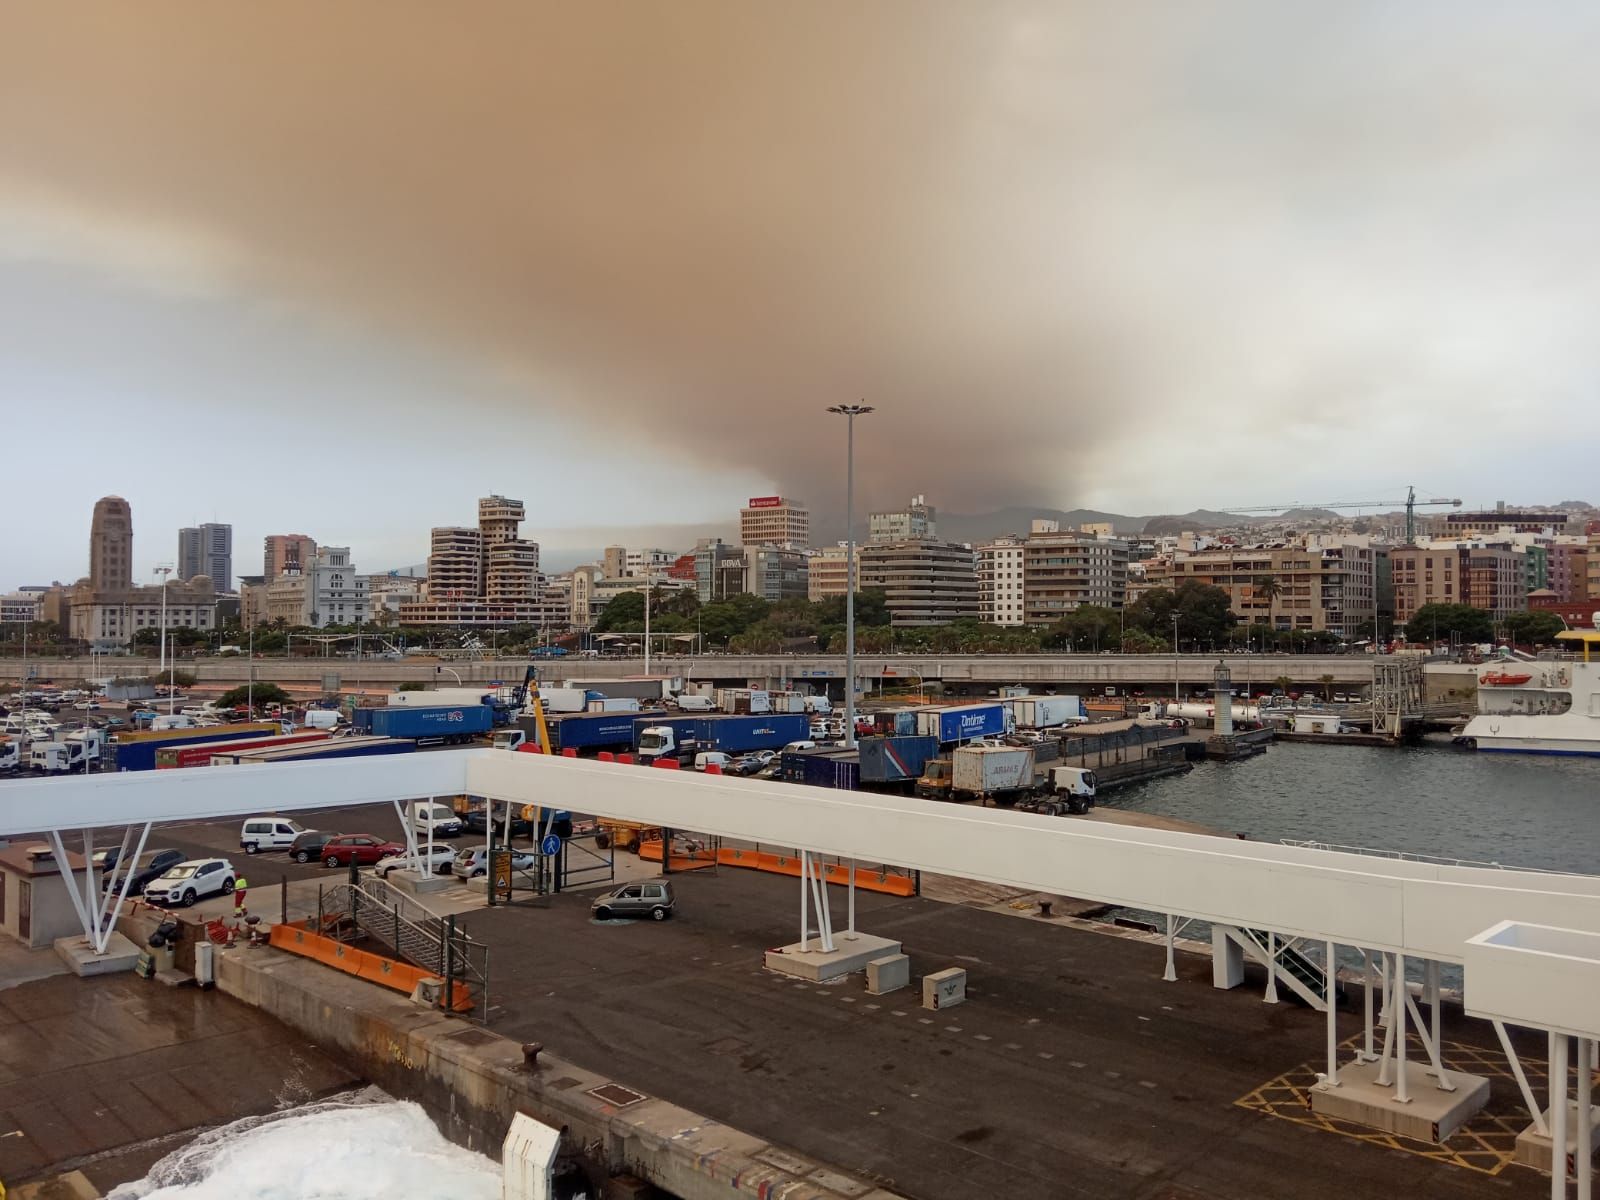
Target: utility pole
(1176,660)
(164,572)
(850,412)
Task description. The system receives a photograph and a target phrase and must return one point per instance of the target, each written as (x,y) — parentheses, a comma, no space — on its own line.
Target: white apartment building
(1000,574)
(917,520)
(331,593)
(483,576)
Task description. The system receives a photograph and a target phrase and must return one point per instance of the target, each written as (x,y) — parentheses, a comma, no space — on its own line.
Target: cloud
(1071,253)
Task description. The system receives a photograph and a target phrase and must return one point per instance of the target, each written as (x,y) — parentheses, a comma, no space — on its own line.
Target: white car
(439,863)
(268,833)
(190,881)
(474,863)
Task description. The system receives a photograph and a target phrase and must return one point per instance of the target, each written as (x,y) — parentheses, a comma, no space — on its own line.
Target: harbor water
(1515,810)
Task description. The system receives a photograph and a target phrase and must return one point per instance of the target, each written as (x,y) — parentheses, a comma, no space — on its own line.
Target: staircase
(397,922)
(1294,970)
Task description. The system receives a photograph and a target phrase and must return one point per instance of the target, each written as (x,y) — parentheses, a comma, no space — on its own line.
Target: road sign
(501,874)
(550,845)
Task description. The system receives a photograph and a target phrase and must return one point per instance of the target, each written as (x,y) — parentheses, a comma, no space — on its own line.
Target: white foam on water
(356,1148)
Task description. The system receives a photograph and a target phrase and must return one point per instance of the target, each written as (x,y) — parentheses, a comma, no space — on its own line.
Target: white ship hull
(1569,733)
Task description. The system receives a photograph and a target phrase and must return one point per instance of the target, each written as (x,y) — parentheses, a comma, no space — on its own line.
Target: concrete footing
(1430,1115)
(416,883)
(849,955)
(80,956)
(1533,1147)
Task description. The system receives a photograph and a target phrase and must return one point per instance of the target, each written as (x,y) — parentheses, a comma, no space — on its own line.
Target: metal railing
(1438,860)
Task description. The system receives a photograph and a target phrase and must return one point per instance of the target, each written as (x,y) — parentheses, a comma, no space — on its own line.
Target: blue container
(971,720)
(450,722)
(591,731)
(891,759)
(822,768)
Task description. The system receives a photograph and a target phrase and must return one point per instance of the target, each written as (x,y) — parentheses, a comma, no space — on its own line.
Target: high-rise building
(775,573)
(108,610)
(111,545)
(718,570)
(1064,571)
(483,576)
(917,520)
(207,550)
(775,521)
(330,593)
(828,572)
(286,552)
(1000,581)
(925,582)
(1487,575)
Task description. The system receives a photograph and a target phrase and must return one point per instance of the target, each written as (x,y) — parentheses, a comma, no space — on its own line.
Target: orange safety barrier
(530,748)
(363,964)
(666,764)
(606,756)
(695,860)
(867,879)
(569,752)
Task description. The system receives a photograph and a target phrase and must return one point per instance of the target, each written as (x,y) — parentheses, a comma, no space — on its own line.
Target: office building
(925,582)
(917,520)
(108,610)
(775,573)
(775,521)
(286,552)
(1487,575)
(481,576)
(330,593)
(21,606)
(1000,581)
(718,570)
(1063,571)
(207,550)
(828,572)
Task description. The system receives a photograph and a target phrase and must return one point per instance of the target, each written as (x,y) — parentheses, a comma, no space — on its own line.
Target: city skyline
(1085,257)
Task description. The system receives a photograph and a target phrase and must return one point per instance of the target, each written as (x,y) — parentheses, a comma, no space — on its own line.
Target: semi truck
(345,747)
(72,753)
(448,724)
(173,757)
(137,751)
(1006,775)
(10,754)
(1046,712)
(583,732)
(830,768)
(684,737)
(962,722)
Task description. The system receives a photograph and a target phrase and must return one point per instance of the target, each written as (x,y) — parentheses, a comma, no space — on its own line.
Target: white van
(710,758)
(441,818)
(796,747)
(692,702)
(321,718)
(268,833)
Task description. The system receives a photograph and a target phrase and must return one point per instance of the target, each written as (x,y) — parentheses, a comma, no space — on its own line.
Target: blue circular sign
(550,845)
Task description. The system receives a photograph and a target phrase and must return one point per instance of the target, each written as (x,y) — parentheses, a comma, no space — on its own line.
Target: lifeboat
(1504,678)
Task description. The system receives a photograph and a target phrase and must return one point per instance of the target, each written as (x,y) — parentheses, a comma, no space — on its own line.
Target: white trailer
(1047,712)
(992,771)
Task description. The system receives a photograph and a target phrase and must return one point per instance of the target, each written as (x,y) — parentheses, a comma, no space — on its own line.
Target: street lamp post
(1176,661)
(165,572)
(850,412)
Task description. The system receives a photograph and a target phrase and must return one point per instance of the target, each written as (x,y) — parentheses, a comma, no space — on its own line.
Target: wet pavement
(109,1074)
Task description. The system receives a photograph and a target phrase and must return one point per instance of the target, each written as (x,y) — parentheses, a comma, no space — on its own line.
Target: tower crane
(1410,503)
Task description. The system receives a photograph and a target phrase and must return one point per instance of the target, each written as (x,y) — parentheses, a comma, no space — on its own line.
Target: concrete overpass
(959,672)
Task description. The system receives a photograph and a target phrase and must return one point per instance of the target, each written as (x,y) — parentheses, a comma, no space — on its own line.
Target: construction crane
(1410,503)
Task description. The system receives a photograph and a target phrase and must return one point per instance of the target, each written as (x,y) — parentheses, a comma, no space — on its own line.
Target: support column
(851,932)
(1328,977)
(1170,975)
(1584,1157)
(1272,968)
(805,883)
(1398,1010)
(1366,1054)
(1227,960)
(1558,1119)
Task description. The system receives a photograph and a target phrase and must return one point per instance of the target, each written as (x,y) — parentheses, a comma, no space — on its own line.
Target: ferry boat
(1541,707)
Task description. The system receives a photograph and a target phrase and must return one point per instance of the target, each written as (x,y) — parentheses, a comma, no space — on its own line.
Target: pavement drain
(897,1013)
(848,999)
(1113,1074)
(924,1020)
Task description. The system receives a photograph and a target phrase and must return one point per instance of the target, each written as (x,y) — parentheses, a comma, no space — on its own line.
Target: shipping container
(649,689)
(590,731)
(787,702)
(897,722)
(137,751)
(962,722)
(992,770)
(171,757)
(1046,712)
(748,701)
(442,697)
(452,723)
(345,747)
(566,699)
(612,704)
(732,734)
(822,768)
(895,759)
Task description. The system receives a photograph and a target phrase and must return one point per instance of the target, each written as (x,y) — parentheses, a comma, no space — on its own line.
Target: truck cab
(658,741)
(509,739)
(10,754)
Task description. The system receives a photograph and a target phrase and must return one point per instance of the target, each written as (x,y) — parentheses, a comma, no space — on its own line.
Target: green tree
(1534,628)
(1441,622)
(1203,612)
(1266,587)
(1327,686)
(1091,627)
(263,693)
(1137,641)
(623,613)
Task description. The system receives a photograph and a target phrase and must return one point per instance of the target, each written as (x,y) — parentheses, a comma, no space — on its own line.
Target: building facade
(108,610)
(1569,570)
(1500,520)
(775,521)
(1063,571)
(21,606)
(1490,576)
(1329,587)
(330,593)
(207,550)
(481,576)
(1000,577)
(286,552)
(828,572)
(775,573)
(925,581)
(918,520)
(718,570)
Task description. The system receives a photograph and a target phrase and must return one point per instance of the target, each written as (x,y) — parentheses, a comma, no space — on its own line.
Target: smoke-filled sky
(341,269)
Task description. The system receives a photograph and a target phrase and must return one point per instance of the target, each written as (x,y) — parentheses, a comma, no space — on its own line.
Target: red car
(361,848)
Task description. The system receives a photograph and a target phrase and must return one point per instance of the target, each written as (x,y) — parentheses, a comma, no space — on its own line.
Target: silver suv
(653,900)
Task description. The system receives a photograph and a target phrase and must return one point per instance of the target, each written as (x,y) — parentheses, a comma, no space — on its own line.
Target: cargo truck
(583,732)
(962,722)
(683,737)
(895,759)
(137,751)
(172,757)
(442,697)
(10,754)
(449,724)
(1046,712)
(345,747)
(72,753)
(750,701)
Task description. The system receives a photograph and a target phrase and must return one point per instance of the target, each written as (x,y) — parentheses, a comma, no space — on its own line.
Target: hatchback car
(654,900)
(476,820)
(360,848)
(473,862)
(308,845)
(190,880)
(147,868)
(438,863)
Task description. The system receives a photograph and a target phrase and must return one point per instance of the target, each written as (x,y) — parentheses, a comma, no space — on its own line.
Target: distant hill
(1302,514)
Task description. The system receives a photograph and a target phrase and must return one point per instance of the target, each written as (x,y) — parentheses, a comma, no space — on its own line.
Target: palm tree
(1266,587)
(1327,686)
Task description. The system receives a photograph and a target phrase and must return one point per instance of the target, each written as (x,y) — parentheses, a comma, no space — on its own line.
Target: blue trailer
(681,737)
(961,722)
(591,731)
(344,747)
(446,723)
(831,768)
(895,759)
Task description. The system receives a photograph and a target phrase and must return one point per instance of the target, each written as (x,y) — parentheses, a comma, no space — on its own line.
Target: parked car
(476,820)
(146,869)
(438,863)
(268,833)
(308,845)
(653,899)
(361,848)
(474,862)
(188,881)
